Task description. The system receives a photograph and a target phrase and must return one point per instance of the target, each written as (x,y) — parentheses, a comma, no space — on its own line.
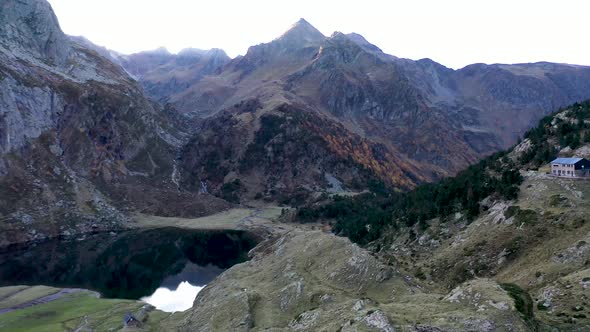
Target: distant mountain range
(419,120)
(88,135)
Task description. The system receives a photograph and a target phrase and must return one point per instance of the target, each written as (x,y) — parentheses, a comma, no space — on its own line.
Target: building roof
(567,161)
(129,318)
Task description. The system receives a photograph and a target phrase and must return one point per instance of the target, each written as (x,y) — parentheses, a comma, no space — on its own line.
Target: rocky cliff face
(80,145)
(31,29)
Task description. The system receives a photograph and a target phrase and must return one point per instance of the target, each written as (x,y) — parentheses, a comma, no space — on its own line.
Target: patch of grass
(69,313)
(511,211)
(516,245)
(526,217)
(521,216)
(522,302)
(420,274)
(13,296)
(557,200)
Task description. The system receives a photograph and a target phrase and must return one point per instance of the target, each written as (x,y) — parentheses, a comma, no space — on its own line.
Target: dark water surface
(165,267)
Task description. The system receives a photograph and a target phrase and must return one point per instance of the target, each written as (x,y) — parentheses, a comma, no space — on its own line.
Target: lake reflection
(164,267)
(178,292)
(180,299)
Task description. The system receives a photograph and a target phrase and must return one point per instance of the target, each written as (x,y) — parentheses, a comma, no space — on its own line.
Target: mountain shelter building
(570,167)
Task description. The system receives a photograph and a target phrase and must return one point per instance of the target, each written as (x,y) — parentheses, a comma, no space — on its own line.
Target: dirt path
(45,299)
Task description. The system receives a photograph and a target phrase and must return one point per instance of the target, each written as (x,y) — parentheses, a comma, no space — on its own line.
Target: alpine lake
(164,267)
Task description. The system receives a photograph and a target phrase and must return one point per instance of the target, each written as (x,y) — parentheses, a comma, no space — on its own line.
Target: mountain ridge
(300,34)
(439,119)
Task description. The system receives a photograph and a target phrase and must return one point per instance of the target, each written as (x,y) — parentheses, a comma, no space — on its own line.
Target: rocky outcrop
(310,281)
(31,29)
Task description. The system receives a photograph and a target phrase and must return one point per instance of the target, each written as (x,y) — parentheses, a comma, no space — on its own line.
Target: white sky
(452,32)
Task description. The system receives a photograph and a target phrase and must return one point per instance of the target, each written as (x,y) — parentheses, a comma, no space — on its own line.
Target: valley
(315,183)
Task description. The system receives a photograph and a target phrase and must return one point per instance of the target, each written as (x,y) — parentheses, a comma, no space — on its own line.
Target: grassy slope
(535,238)
(70,312)
(538,241)
(542,247)
(17,295)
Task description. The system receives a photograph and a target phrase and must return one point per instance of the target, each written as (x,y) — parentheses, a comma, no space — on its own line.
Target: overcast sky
(452,32)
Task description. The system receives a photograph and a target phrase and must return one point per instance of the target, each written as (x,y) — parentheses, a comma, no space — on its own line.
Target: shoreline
(260,222)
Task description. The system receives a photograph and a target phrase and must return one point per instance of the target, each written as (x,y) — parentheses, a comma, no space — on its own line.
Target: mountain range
(419,120)
(89,136)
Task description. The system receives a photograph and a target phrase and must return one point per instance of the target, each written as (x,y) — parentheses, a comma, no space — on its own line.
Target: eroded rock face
(25,113)
(30,35)
(31,27)
(312,281)
(80,144)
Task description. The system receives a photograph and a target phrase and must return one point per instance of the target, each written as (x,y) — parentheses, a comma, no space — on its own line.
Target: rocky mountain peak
(337,35)
(341,41)
(302,33)
(160,51)
(218,53)
(362,42)
(30,28)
